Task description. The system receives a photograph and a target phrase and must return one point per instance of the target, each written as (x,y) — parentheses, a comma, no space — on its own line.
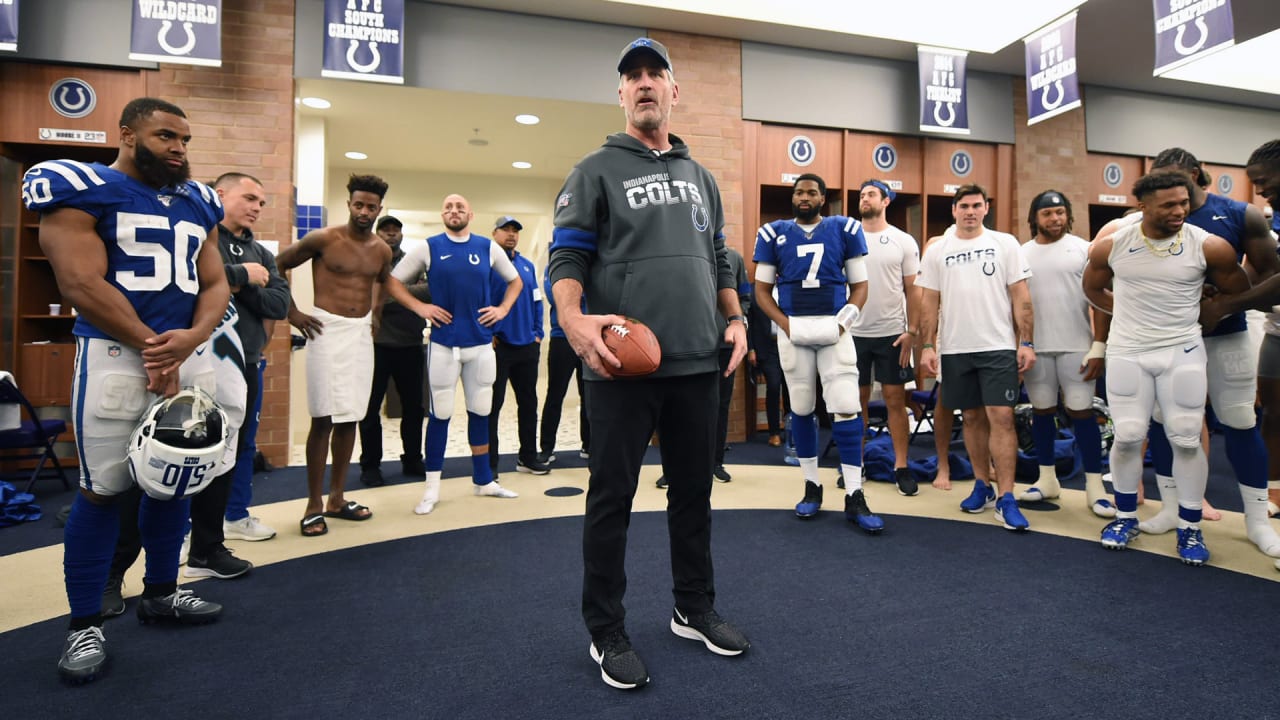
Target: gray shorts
(980,379)
(879,354)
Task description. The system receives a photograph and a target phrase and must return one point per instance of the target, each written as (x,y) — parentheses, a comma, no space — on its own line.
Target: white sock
(1093,487)
(1257,525)
(809,469)
(1167,518)
(430,493)
(1048,485)
(852,478)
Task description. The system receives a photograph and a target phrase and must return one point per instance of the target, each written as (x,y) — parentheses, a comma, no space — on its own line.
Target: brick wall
(242,119)
(1049,154)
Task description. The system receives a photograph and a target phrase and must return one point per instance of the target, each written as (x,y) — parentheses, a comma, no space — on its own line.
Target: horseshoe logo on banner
(364,67)
(1044,95)
(937,113)
(1181,49)
(162,37)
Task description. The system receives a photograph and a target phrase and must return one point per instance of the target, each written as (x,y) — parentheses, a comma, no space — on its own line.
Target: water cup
(55,308)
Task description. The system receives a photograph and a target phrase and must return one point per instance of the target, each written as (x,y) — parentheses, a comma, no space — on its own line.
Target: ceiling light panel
(317,103)
(353,155)
(528,119)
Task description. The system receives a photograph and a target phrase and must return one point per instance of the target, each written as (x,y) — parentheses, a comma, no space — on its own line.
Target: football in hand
(635,346)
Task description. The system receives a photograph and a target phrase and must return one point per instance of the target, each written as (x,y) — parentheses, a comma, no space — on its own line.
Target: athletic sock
(1247,455)
(804,429)
(1257,525)
(1047,486)
(481,473)
(161,524)
(1094,490)
(1044,430)
(437,439)
(1089,441)
(1167,518)
(848,437)
(89,541)
(809,470)
(852,477)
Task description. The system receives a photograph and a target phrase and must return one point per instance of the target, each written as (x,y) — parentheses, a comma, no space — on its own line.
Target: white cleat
(493,489)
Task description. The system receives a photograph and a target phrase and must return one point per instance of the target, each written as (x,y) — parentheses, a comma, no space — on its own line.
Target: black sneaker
(533,467)
(112,597)
(856,511)
(840,481)
(372,477)
(721,475)
(546,458)
(717,634)
(662,482)
(182,607)
(84,656)
(812,501)
(220,563)
(620,666)
(906,482)
(412,466)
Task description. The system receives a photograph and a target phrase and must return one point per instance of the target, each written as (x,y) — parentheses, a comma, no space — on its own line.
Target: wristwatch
(741,318)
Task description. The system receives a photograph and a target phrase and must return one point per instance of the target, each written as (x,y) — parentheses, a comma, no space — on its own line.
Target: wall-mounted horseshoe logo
(937,113)
(364,67)
(1044,95)
(801,151)
(884,157)
(72,97)
(961,163)
(1182,49)
(162,37)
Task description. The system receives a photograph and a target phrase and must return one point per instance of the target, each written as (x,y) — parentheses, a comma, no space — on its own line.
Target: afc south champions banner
(943,99)
(9,25)
(1190,29)
(363,40)
(1052,84)
(187,33)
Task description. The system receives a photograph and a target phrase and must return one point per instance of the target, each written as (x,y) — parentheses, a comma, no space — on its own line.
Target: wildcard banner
(9,25)
(1053,87)
(1190,29)
(943,99)
(363,40)
(186,33)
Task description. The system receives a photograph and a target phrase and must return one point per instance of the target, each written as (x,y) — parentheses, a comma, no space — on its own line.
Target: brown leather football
(635,346)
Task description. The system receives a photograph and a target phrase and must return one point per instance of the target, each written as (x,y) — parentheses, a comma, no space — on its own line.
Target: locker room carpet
(473,610)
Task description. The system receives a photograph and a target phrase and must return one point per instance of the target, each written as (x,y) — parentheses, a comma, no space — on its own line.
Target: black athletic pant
(775,389)
(209,508)
(519,364)
(624,414)
(562,364)
(404,366)
(726,397)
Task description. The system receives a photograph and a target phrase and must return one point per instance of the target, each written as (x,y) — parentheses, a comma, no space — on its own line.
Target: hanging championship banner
(186,33)
(9,25)
(1190,29)
(1052,84)
(362,40)
(943,101)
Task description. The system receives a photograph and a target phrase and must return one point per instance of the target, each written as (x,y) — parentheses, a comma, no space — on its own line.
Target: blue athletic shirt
(556,330)
(523,325)
(810,267)
(1224,217)
(152,237)
(460,278)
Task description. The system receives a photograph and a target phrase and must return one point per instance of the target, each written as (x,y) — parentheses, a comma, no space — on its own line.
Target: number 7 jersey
(811,265)
(152,236)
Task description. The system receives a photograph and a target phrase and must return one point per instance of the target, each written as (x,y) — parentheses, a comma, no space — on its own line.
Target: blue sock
(1248,456)
(437,438)
(162,523)
(1127,502)
(1044,430)
(477,429)
(804,428)
(848,437)
(1161,450)
(481,473)
(1189,515)
(1089,441)
(89,541)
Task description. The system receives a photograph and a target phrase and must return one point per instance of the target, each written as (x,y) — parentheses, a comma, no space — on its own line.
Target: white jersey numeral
(178,267)
(815,262)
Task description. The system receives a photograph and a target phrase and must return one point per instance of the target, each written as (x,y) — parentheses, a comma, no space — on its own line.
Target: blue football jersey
(152,237)
(810,266)
(1224,217)
(460,279)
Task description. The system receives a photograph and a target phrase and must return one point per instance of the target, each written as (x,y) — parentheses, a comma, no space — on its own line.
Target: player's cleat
(493,489)
(662,482)
(220,563)
(857,512)
(717,634)
(250,529)
(1117,534)
(906,482)
(1103,508)
(113,597)
(1191,547)
(620,665)
(812,502)
(84,657)
(1010,515)
(982,498)
(182,606)
(533,467)
(721,475)
(372,477)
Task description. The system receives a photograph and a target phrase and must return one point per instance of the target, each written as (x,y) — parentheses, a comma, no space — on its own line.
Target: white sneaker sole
(685,631)
(228,534)
(599,660)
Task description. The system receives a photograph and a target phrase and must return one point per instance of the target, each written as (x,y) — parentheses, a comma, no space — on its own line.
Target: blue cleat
(1009,514)
(982,498)
(1191,547)
(812,502)
(856,511)
(1117,534)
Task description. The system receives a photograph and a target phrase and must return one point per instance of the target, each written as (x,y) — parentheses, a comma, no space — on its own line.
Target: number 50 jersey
(152,237)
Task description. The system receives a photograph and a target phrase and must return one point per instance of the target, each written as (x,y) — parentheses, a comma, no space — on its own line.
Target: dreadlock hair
(1179,158)
(1267,153)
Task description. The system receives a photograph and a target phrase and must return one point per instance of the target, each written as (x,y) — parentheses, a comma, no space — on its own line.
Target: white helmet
(176,447)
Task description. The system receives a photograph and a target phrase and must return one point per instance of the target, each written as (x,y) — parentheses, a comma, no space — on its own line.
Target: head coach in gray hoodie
(639,230)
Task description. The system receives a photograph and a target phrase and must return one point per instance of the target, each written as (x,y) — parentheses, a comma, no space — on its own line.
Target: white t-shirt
(1157,297)
(973,277)
(891,255)
(1057,294)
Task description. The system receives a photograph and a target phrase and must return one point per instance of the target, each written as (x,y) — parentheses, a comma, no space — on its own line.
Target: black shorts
(980,379)
(880,354)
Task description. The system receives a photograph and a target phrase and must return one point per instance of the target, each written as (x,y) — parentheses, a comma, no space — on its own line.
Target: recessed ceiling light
(353,155)
(317,103)
(528,119)
(521,165)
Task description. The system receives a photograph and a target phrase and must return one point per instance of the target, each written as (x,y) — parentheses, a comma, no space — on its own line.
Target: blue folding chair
(32,440)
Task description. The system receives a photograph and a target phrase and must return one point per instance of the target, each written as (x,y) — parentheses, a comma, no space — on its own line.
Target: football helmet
(176,447)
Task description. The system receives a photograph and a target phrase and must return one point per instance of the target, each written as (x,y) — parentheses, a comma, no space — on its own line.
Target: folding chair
(928,401)
(34,438)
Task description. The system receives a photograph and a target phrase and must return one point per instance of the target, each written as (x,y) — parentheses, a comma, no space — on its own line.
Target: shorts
(877,356)
(980,379)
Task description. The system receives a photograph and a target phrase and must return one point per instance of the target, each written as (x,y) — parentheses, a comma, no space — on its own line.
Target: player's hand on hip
(491,315)
(310,327)
(737,334)
(435,315)
(1093,369)
(170,348)
(1026,358)
(585,335)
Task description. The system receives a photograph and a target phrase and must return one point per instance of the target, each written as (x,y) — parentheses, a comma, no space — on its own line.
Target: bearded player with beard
(134,249)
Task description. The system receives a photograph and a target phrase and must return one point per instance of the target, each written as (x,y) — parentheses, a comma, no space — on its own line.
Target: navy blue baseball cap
(641,46)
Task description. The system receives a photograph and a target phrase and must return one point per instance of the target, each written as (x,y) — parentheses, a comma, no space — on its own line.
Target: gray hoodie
(644,234)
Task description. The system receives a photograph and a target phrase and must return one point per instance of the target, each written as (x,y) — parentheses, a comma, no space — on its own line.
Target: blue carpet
(932,619)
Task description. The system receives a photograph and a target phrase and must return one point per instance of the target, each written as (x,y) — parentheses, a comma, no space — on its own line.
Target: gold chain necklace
(1173,248)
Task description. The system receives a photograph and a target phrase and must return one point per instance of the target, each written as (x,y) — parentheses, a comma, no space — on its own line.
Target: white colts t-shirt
(973,277)
(891,255)
(1157,295)
(1057,294)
